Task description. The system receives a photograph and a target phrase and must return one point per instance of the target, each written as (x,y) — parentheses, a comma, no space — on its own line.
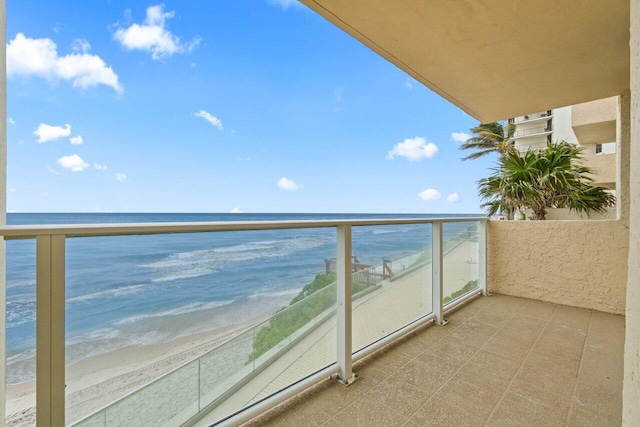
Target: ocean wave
(197,263)
(275,294)
(185,309)
(109,293)
(20,312)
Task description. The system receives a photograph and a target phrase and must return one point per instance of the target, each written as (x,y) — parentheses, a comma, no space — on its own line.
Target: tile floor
(501,361)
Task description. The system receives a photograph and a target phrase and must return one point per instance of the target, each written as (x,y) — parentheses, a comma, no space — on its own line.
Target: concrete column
(623,157)
(3,204)
(631,387)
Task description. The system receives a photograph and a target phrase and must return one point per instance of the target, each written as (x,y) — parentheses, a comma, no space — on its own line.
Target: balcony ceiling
(497,58)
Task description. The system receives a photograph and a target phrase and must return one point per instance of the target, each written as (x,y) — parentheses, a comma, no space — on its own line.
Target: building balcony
(603,167)
(537,353)
(595,122)
(543,115)
(532,132)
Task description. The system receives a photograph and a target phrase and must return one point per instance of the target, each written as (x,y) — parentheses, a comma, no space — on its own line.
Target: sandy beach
(100,380)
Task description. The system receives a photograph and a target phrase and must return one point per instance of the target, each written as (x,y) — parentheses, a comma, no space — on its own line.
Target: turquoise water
(136,290)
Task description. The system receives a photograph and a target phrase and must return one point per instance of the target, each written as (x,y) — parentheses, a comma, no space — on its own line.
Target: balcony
(543,115)
(595,122)
(537,131)
(501,361)
(348,328)
(604,168)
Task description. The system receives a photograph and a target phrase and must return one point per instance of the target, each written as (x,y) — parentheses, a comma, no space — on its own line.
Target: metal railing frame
(50,296)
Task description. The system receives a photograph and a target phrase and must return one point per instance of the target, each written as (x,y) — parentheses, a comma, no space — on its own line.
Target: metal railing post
(436,272)
(482,257)
(343,302)
(50,351)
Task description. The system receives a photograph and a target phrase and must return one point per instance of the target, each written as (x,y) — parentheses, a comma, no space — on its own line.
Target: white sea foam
(109,293)
(185,309)
(21,311)
(275,294)
(184,265)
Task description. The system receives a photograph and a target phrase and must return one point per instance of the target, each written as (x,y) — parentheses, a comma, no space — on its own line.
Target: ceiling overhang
(497,58)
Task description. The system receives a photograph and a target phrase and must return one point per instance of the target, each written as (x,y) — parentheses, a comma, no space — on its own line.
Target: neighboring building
(592,125)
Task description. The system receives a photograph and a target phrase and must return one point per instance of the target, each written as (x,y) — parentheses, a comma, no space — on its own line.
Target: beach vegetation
(470,285)
(538,180)
(315,298)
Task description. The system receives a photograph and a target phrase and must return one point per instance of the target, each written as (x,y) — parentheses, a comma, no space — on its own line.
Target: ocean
(136,290)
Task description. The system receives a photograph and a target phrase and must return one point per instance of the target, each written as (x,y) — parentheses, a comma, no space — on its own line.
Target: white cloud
(210,118)
(39,57)
(338,94)
(289,184)
(121,177)
(430,194)
(414,149)
(285,4)
(73,162)
(11,121)
(236,210)
(460,137)
(452,198)
(99,167)
(409,83)
(52,170)
(76,140)
(152,36)
(47,132)
(80,45)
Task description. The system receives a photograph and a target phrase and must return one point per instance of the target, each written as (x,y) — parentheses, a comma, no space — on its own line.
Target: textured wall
(578,263)
(631,391)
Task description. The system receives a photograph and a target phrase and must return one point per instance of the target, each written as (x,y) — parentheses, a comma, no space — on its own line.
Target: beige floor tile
(605,401)
(489,371)
(537,309)
(507,348)
(404,397)
(451,348)
(561,341)
(473,333)
(582,417)
(492,318)
(549,394)
(421,375)
(552,365)
(436,412)
(367,412)
(447,364)
(572,317)
(460,394)
(510,414)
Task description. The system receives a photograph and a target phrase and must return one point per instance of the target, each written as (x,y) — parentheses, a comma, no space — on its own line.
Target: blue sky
(214,106)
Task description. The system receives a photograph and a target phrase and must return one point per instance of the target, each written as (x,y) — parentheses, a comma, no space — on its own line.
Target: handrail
(50,284)
(14,232)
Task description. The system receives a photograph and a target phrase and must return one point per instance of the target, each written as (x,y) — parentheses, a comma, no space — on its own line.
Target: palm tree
(489,138)
(540,180)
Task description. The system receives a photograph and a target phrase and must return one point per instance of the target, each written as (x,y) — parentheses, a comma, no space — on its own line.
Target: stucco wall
(631,391)
(578,263)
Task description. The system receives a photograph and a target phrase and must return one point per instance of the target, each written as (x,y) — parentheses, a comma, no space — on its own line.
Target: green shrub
(309,303)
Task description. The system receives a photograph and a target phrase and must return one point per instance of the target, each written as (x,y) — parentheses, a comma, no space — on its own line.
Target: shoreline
(97,381)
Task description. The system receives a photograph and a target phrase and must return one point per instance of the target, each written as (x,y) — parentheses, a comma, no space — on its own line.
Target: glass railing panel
(169,401)
(151,317)
(21,332)
(460,262)
(391,281)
